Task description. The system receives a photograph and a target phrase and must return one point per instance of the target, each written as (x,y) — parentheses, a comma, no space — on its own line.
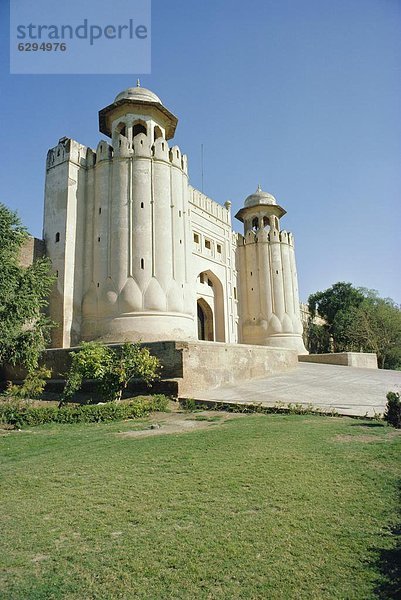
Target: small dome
(259,197)
(138,94)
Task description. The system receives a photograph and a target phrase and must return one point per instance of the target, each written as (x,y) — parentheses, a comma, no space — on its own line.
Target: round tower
(269,299)
(137,236)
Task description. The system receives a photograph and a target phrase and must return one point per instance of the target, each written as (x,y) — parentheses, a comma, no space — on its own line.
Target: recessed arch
(213,295)
(121,129)
(157,133)
(139,127)
(205,320)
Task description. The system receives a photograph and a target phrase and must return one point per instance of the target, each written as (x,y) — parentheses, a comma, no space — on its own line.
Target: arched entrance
(205,321)
(210,307)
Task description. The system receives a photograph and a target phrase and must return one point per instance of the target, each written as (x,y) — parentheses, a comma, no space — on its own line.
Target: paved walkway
(348,390)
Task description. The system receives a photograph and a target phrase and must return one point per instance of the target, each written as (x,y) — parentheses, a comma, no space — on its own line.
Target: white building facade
(140,254)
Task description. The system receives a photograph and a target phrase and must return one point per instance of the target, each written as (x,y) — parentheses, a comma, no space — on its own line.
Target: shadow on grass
(388,564)
(382,425)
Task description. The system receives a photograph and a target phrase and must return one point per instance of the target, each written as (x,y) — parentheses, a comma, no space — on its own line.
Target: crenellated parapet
(68,149)
(211,207)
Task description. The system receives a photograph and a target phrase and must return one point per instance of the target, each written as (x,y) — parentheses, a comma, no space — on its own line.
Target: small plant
(33,385)
(188,404)
(392,413)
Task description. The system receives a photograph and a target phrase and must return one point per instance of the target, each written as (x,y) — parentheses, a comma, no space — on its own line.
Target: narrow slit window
(219,248)
(57,237)
(142,263)
(100,210)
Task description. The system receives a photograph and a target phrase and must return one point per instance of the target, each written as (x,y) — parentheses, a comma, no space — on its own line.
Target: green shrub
(188,404)
(111,368)
(21,414)
(393,410)
(33,386)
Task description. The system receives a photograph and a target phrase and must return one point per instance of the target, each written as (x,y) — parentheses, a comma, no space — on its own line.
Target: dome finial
(138,83)
(259,188)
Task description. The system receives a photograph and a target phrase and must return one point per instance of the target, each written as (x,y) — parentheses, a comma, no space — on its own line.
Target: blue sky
(303,97)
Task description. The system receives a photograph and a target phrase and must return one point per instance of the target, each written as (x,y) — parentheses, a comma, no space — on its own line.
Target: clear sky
(301,96)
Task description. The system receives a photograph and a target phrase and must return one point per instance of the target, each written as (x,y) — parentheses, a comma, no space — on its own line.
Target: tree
(24,327)
(336,305)
(359,320)
(317,338)
(376,327)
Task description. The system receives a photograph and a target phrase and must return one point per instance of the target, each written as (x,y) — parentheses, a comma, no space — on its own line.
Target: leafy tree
(376,327)
(317,338)
(359,320)
(111,368)
(336,305)
(24,328)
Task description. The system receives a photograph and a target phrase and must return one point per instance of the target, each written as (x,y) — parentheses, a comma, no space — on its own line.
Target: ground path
(348,390)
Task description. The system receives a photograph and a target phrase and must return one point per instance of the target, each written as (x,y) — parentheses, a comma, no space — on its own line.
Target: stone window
(208,244)
(196,238)
(57,237)
(219,248)
(142,263)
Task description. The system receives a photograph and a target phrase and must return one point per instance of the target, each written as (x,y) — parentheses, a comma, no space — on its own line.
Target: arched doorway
(205,321)
(210,307)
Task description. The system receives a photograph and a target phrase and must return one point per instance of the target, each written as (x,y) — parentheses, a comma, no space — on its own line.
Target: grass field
(252,507)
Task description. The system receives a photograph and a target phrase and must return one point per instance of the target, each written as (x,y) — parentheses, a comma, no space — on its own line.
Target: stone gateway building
(141,254)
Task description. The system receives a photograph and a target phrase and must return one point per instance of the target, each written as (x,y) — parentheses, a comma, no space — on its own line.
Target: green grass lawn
(257,507)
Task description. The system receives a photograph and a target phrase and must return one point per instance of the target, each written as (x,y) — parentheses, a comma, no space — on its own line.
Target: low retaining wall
(210,364)
(363,360)
(193,366)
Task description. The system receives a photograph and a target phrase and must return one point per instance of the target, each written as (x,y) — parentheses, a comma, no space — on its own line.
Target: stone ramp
(347,390)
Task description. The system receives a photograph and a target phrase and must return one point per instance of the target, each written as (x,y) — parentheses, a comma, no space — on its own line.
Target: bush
(21,414)
(111,368)
(393,410)
(33,386)
(188,404)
